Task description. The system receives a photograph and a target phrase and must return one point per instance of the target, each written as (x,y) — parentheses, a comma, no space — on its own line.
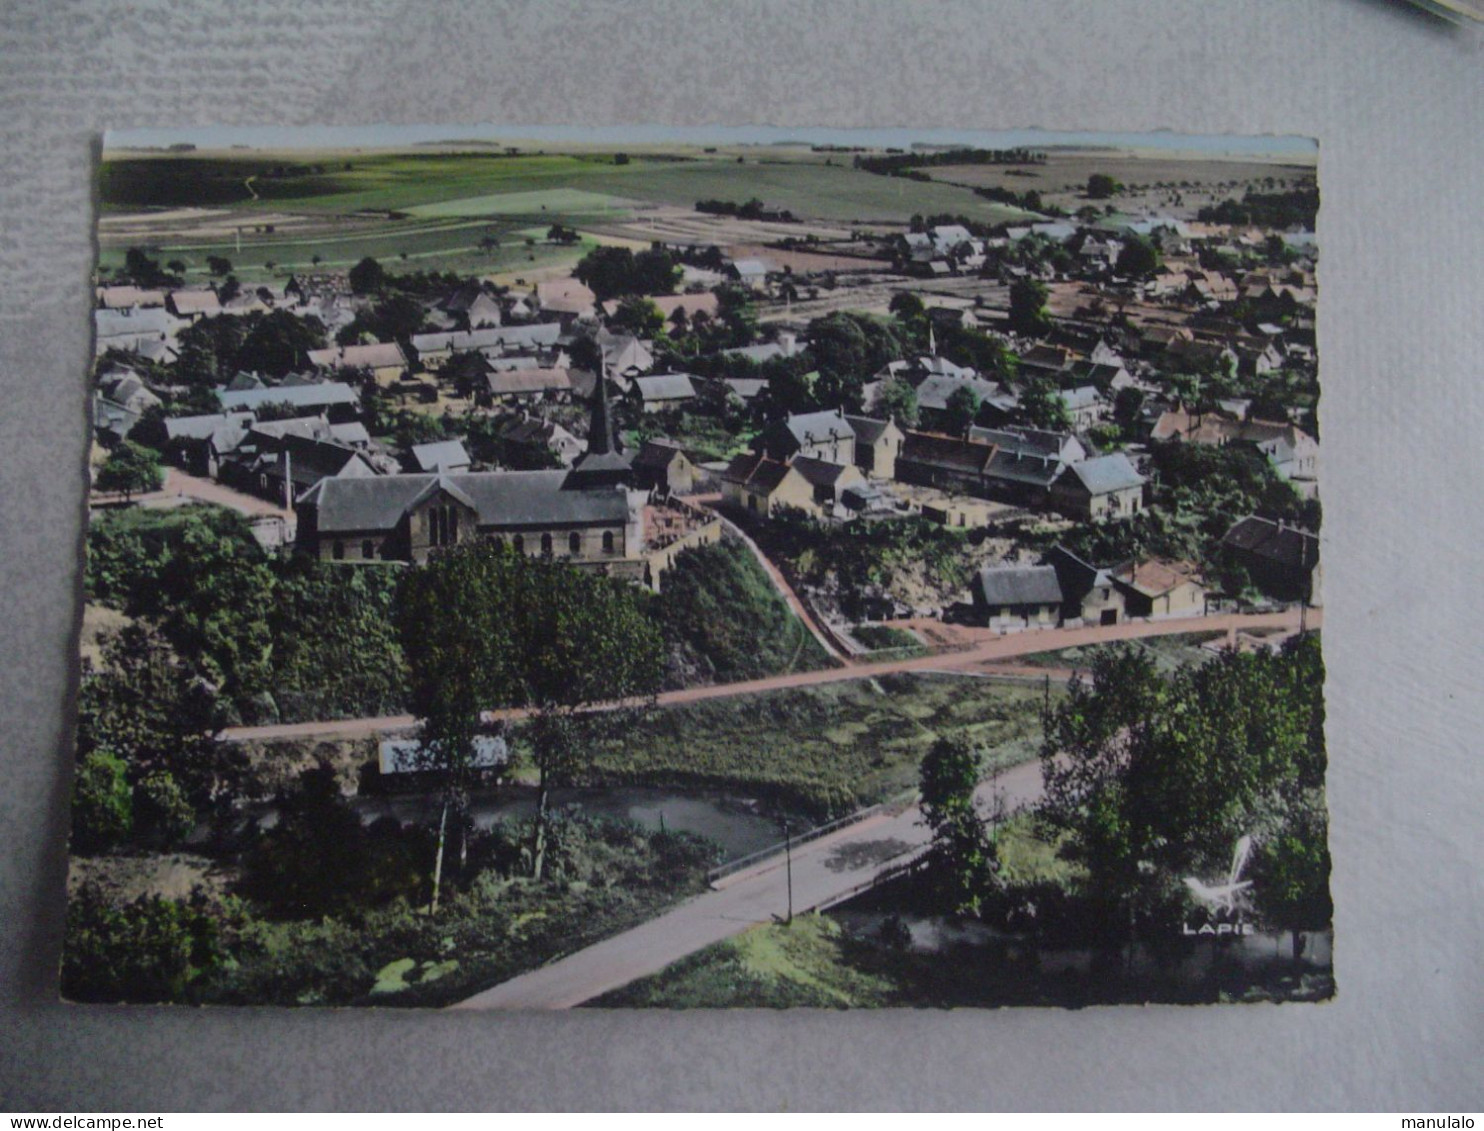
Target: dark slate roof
(1014,467)
(300,396)
(204,427)
(658,454)
(756,471)
(811,427)
(1024,441)
(1019,585)
(1107,473)
(820,473)
(1076,574)
(1274,541)
(946,451)
(501,498)
(867,431)
(666,387)
(442,453)
(934,393)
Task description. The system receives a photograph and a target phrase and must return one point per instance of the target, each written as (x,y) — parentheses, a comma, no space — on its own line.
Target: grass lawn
(798,965)
(831,748)
(1169,652)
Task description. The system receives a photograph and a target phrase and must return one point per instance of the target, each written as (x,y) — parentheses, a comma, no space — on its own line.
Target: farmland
(447,211)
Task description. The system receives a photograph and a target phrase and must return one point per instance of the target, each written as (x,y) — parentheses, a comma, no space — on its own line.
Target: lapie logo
(1221,897)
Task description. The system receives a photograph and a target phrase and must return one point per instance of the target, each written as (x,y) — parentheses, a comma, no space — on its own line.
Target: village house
(877,444)
(934,393)
(663,466)
(385,360)
(948,463)
(441,455)
(1016,597)
(759,485)
(532,435)
(1099,488)
(132,330)
(1158,588)
(198,444)
(471,307)
(786,345)
(127,296)
(1089,593)
(751,273)
(337,401)
(193,305)
(665,391)
(705,303)
(518,386)
(283,467)
(566,299)
(1085,406)
(434,350)
(624,354)
(1281,559)
(824,436)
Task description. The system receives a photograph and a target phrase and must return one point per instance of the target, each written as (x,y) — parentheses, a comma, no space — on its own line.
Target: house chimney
(288,480)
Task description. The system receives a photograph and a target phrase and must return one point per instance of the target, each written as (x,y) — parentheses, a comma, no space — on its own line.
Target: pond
(738,824)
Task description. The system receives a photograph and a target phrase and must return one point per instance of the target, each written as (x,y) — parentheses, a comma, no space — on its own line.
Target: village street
(823,871)
(981,651)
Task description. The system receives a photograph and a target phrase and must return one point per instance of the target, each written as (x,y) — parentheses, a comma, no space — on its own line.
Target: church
(589,516)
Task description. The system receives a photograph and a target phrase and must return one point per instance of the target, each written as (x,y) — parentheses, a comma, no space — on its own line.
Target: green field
(564,202)
(345,184)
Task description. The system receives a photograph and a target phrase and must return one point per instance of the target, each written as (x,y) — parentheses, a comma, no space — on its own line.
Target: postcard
(555,568)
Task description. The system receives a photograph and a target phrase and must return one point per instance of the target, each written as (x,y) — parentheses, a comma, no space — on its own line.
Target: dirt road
(822,872)
(981,651)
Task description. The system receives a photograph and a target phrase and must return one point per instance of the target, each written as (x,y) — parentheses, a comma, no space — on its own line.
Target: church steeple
(603,464)
(600,438)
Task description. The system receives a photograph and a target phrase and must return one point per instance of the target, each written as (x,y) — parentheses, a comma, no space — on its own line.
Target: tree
(962,410)
(1150,779)
(145,708)
(131,469)
(218,265)
(318,859)
(102,802)
(1043,406)
(906,305)
(367,277)
(897,399)
(146,951)
(1028,315)
(278,342)
(1138,259)
(963,859)
(612,272)
(638,316)
(1100,186)
(482,627)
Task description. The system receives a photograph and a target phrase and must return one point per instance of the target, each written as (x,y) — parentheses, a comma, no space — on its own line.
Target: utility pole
(788,864)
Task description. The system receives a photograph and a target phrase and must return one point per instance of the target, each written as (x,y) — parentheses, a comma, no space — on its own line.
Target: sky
(336,137)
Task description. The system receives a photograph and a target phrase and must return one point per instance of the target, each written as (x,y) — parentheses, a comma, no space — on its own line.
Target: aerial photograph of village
(539,569)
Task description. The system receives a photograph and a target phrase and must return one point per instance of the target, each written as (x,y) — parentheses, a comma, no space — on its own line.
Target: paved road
(823,871)
(982,653)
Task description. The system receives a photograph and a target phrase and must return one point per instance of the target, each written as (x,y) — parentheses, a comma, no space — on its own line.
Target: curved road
(984,652)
